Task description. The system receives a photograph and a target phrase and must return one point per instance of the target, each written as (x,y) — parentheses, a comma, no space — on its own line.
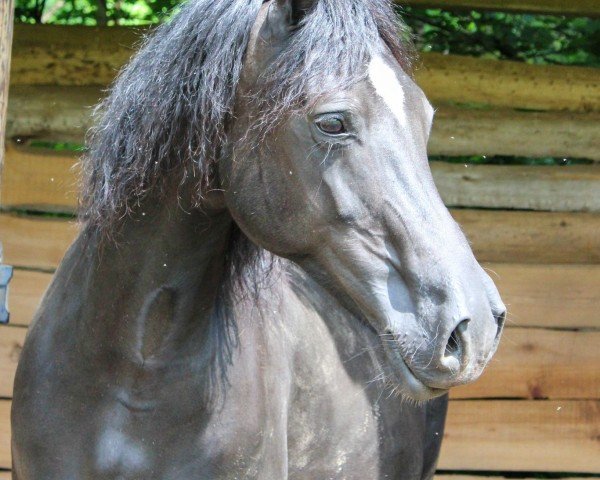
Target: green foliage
(530,38)
(94,12)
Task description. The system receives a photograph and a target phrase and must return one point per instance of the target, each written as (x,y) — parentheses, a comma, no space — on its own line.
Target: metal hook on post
(6,273)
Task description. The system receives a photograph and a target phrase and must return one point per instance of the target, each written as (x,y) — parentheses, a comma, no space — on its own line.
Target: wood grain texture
(530,436)
(556,296)
(531,363)
(47,55)
(42,180)
(5,460)
(460,131)
(6,39)
(26,291)
(35,242)
(550,436)
(535,363)
(495,236)
(511,84)
(39,180)
(556,7)
(532,237)
(459,476)
(11,344)
(71,55)
(563,189)
(49,113)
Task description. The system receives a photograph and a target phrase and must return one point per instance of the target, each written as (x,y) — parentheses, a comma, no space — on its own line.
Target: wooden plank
(459,131)
(531,237)
(5,475)
(48,55)
(43,180)
(35,242)
(529,436)
(71,55)
(39,180)
(510,84)
(495,236)
(26,291)
(550,436)
(6,38)
(535,363)
(50,113)
(559,189)
(5,460)
(64,114)
(557,296)
(555,7)
(531,363)
(11,344)
(496,476)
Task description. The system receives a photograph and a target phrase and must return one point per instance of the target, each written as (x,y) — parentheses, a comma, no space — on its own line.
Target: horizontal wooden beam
(5,458)
(83,56)
(39,180)
(27,289)
(554,7)
(460,131)
(558,296)
(495,476)
(42,180)
(531,363)
(33,242)
(564,189)
(500,83)
(11,343)
(531,237)
(49,113)
(535,363)
(545,296)
(71,55)
(535,436)
(530,436)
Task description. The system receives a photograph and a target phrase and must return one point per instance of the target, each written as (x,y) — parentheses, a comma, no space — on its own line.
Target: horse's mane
(167,113)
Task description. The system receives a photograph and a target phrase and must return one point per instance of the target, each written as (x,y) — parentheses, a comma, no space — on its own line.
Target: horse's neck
(160,276)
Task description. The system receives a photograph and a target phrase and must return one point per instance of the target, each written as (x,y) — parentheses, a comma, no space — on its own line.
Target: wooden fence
(537,408)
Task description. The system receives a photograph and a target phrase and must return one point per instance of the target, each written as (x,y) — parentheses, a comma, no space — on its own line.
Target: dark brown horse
(267,284)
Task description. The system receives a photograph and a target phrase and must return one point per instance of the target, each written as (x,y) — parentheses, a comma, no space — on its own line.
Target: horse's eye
(331,125)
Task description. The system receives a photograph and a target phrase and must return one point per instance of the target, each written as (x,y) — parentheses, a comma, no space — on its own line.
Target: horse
(266,283)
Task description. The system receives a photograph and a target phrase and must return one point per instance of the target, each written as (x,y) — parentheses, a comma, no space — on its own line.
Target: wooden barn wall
(537,229)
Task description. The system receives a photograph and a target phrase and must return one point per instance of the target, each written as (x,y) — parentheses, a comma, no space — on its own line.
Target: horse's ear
(296,9)
(283,17)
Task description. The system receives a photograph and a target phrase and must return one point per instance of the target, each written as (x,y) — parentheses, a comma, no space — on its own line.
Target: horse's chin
(409,386)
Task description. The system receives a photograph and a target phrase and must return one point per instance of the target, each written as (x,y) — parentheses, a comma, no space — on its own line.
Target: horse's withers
(346,191)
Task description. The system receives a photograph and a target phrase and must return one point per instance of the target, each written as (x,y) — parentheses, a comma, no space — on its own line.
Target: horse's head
(342,186)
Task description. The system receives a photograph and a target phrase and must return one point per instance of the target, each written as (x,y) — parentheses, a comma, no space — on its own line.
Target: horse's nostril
(454,345)
(500,319)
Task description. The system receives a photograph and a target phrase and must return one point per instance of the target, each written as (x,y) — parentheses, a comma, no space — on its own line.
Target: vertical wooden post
(6,30)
